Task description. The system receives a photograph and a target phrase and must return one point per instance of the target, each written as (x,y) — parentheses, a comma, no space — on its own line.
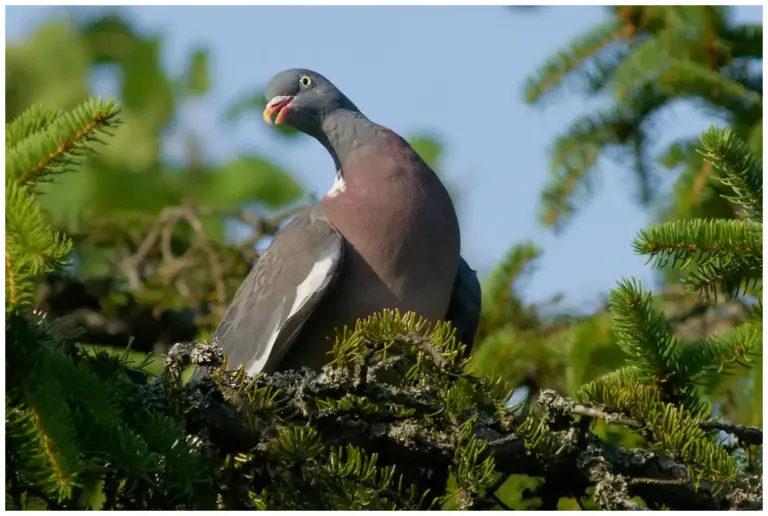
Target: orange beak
(279,105)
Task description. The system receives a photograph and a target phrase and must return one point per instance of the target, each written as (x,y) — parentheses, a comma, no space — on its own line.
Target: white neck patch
(337,188)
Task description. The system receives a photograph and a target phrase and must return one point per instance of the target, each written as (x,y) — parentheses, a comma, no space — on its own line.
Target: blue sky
(457,72)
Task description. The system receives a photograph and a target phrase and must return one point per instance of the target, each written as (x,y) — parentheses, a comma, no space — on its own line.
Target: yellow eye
(305,81)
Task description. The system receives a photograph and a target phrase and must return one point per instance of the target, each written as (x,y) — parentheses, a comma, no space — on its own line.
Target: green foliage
(739,168)
(669,427)
(39,144)
(72,421)
(721,255)
(34,148)
(647,58)
(538,345)
(499,290)
(715,354)
(646,336)
(647,377)
(660,385)
(66,421)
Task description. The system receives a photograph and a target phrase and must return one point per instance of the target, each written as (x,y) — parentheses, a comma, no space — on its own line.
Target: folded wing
(465,306)
(281,292)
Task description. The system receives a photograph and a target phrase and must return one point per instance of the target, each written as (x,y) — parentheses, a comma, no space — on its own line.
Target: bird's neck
(344,131)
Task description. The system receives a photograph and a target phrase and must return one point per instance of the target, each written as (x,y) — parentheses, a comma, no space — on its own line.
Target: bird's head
(303,99)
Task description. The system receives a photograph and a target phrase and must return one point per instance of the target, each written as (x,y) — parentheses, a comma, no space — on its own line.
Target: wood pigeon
(385,236)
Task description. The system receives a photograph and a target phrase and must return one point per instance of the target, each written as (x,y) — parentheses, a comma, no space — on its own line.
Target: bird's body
(385,236)
(390,206)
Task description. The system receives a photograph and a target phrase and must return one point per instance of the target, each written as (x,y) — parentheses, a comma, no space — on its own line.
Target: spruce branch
(731,277)
(55,144)
(739,168)
(746,434)
(571,58)
(680,77)
(347,451)
(646,336)
(678,243)
(575,154)
(33,119)
(11,293)
(499,289)
(32,249)
(673,429)
(601,388)
(716,353)
(651,57)
(507,447)
(577,151)
(611,489)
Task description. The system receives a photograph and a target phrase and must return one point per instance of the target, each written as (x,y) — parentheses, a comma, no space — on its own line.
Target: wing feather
(466,304)
(281,292)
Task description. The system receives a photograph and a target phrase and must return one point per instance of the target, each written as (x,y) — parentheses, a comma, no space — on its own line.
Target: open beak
(278,105)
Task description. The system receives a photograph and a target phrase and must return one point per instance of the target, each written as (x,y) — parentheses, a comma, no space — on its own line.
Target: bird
(385,236)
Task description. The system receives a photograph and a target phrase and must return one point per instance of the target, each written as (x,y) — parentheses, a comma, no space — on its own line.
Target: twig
(425,344)
(747,434)
(662,481)
(161,233)
(10,276)
(203,241)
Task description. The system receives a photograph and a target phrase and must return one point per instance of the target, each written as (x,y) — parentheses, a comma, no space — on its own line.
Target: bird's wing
(281,292)
(466,303)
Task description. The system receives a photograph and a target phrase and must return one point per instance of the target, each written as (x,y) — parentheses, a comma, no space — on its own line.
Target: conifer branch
(679,78)
(577,150)
(716,353)
(571,58)
(680,242)
(33,119)
(673,429)
(740,169)
(48,447)
(499,289)
(575,154)
(615,381)
(33,248)
(746,434)
(650,57)
(513,453)
(730,277)
(10,277)
(647,337)
(55,142)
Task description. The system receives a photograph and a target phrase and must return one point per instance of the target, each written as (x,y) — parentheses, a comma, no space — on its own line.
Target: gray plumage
(268,312)
(385,236)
